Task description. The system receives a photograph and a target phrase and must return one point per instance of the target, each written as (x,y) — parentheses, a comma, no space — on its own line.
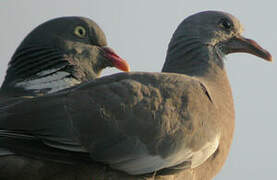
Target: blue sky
(139,31)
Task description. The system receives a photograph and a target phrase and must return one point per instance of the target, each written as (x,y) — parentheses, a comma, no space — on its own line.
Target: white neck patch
(54,82)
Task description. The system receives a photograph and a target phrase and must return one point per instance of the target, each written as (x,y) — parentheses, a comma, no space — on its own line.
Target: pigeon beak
(116,61)
(241,44)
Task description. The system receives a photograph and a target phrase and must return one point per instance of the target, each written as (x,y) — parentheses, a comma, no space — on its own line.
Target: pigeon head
(66,50)
(209,36)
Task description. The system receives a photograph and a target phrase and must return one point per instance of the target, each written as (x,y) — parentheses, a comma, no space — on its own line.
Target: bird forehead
(58,24)
(51,28)
(212,18)
(61,26)
(97,34)
(89,22)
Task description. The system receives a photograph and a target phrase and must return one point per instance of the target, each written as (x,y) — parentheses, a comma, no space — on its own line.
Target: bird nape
(59,54)
(177,122)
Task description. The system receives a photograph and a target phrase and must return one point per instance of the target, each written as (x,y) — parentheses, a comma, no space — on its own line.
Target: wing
(38,127)
(135,122)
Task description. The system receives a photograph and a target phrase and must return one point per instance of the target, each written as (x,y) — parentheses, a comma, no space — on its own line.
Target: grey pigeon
(141,123)
(59,54)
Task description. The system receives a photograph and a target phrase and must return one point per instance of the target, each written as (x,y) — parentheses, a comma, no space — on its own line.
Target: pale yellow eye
(80,31)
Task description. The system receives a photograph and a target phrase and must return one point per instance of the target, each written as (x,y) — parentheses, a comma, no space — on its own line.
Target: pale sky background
(140,30)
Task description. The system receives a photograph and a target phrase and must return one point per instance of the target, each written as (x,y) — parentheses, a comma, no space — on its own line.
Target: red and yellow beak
(116,61)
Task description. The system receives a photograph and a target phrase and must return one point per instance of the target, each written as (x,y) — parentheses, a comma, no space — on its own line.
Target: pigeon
(59,54)
(177,124)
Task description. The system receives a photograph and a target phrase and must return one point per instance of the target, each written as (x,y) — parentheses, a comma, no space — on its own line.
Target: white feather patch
(45,72)
(145,164)
(196,158)
(55,82)
(206,151)
(5,152)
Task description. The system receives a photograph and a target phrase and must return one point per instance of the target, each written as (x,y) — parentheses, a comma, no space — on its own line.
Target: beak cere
(116,61)
(241,44)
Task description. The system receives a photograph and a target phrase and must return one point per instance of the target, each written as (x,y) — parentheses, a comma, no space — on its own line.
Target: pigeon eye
(80,31)
(225,24)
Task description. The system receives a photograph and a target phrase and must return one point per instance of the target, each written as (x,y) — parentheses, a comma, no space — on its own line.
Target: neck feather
(37,69)
(191,57)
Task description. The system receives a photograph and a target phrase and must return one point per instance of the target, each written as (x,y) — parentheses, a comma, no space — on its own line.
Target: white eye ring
(80,31)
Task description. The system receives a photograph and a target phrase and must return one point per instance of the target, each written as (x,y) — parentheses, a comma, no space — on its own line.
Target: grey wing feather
(146,113)
(39,118)
(135,122)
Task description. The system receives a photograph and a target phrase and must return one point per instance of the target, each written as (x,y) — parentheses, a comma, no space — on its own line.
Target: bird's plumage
(121,144)
(181,119)
(55,56)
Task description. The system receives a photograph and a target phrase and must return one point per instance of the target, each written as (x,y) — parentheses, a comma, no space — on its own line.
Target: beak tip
(117,61)
(123,65)
(128,69)
(241,44)
(270,59)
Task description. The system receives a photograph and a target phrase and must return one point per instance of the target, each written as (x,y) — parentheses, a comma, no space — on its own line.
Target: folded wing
(135,122)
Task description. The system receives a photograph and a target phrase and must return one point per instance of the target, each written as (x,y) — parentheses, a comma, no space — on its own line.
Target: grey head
(58,54)
(203,39)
